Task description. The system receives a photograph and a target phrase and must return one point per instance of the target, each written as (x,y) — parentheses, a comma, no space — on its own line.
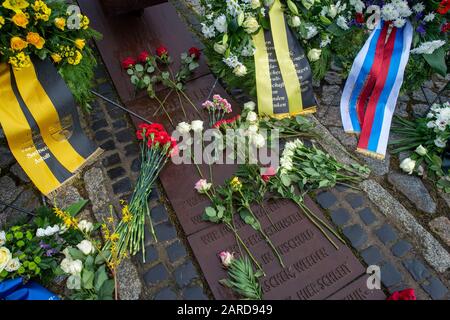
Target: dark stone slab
(194,293)
(159,213)
(357,290)
(122,186)
(176,251)
(111,160)
(115,173)
(130,34)
(185,273)
(179,180)
(165,231)
(151,254)
(314,268)
(355,200)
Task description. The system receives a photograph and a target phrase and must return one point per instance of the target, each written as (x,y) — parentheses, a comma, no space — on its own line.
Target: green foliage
(243,280)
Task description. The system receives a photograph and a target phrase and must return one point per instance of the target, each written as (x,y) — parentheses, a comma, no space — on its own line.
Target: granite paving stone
(165,231)
(111,160)
(356,235)
(416,268)
(194,293)
(151,254)
(372,255)
(159,213)
(401,248)
(176,251)
(326,199)
(116,173)
(122,186)
(166,294)
(386,234)
(355,200)
(185,273)
(390,276)
(367,216)
(435,288)
(340,216)
(441,226)
(156,274)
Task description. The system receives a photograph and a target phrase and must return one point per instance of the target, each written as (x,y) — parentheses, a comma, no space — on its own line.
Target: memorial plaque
(129,34)
(314,268)
(179,180)
(357,290)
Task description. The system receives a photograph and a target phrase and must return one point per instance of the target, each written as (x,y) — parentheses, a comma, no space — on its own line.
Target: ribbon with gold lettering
(41,123)
(283,74)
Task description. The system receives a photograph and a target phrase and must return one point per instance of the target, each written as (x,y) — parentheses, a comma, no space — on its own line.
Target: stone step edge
(433,252)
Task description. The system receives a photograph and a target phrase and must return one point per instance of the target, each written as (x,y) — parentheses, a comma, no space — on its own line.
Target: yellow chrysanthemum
(18,44)
(20,19)
(75,57)
(80,43)
(56,57)
(15,5)
(2,22)
(60,23)
(20,60)
(36,40)
(235,184)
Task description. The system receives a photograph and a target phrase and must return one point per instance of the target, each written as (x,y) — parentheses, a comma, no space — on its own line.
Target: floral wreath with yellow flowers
(49,29)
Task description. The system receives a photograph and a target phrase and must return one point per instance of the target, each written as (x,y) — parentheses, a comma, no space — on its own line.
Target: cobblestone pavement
(396,221)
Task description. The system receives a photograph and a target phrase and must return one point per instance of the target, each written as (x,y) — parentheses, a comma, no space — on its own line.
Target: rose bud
(195,53)
(227,258)
(162,51)
(128,62)
(143,56)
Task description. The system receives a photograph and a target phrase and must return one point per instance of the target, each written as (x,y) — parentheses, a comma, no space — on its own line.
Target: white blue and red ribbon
(373,86)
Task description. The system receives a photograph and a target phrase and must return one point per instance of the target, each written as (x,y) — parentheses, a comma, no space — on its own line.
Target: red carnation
(143,56)
(359,17)
(195,52)
(445,27)
(128,62)
(162,51)
(407,294)
(157,127)
(444,7)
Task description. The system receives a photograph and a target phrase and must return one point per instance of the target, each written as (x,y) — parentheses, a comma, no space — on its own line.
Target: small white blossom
(419,7)
(342,23)
(428,47)
(429,17)
(208,31)
(183,127)
(221,23)
(197,125)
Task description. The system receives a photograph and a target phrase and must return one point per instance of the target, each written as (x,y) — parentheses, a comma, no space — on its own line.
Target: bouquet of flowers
(426,138)
(157,146)
(49,29)
(146,71)
(217,109)
(329,30)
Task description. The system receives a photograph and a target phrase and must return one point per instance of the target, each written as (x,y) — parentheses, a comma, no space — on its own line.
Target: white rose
(86,247)
(2,238)
(202,186)
(258,140)
(295,21)
(252,117)
(251,25)
(183,127)
(256,4)
(197,126)
(85,226)
(250,105)
(74,282)
(5,256)
(65,264)
(240,70)
(40,233)
(408,165)
(421,150)
(13,265)
(314,54)
(48,231)
(220,48)
(76,267)
(332,11)
(252,129)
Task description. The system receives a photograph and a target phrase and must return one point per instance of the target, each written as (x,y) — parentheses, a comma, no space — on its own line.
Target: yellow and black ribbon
(41,123)
(284,87)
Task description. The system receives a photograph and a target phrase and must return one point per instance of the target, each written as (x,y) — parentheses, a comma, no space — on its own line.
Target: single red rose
(128,62)
(407,294)
(161,51)
(143,56)
(268,173)
(359,18)
(195,52)
(445,27)
(443,7)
